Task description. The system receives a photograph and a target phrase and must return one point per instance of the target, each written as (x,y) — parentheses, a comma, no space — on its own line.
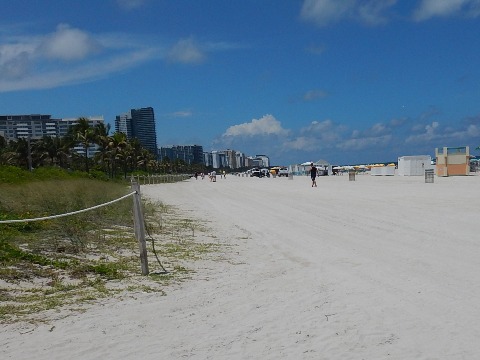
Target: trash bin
(290,176)
(429,175)
(351,176)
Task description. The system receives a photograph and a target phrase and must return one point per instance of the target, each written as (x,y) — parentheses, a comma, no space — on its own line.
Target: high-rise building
(36,126)
(265,160)
(207,158)
(191,154)
(240,159)
(123,124)
(139,124)
(33,126)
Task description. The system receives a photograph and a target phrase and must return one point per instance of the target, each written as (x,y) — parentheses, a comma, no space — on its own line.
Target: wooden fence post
(139,226)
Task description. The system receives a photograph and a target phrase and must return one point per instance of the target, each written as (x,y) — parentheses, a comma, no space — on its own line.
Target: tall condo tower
(140,124)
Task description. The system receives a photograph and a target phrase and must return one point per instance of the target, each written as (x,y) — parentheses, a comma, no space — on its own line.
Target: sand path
(383,267)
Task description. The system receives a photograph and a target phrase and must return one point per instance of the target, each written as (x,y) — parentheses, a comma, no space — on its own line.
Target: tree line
(115,156)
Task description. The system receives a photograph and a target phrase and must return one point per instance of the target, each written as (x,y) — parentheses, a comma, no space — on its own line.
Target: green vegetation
(65,262)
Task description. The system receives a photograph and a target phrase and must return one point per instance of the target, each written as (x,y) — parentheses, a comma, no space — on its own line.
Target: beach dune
(377,268)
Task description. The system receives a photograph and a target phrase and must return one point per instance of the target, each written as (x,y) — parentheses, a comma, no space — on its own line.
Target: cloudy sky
(351,81)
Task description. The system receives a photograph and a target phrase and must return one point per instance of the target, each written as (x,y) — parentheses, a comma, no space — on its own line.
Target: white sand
(379,268)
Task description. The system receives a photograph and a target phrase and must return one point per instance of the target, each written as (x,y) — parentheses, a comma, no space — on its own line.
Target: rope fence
(138,220)
(158,179)
(66,214)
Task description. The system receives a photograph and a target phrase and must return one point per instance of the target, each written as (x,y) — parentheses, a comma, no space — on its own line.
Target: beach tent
(382,170)
(303,168)
(414,165)
(321,162)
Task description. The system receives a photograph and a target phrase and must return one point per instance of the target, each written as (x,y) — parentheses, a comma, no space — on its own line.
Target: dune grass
(64,263)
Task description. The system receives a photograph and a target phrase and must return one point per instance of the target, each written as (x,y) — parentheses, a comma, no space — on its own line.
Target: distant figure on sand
(313,174)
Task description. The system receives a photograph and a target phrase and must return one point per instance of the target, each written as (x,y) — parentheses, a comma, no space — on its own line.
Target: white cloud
(130,4)
(69,56)
(187,51)
(378,128)
(88,72)
(363,143)
(317,135)
(302,143)
(181,114)
(327,135)
(14,67)
(314,95)
(68,44)
(371,12)
(437,135)
(472,131)
(66,56)
(432,8)
(429,134)
(325,12)
(318,127)
(267,125)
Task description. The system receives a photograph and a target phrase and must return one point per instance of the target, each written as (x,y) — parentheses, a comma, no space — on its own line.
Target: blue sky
(299,80)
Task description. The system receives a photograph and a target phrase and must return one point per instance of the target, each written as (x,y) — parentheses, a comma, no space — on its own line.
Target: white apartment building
(36,126)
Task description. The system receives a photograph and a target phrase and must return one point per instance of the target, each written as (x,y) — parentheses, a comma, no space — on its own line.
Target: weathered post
(429,176)
(351,175)
(139,226)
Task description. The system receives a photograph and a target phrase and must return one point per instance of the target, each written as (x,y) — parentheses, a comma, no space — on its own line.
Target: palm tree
(83,134)
(166,164)
(102,139)
(144,158)
(118,141)
(55,149)
(19,153)
(136,152)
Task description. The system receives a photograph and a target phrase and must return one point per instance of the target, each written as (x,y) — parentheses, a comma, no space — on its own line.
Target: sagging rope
(85,210)
(66,214)
(153,249)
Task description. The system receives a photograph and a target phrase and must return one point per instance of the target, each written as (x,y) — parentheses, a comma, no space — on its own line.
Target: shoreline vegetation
(64,264)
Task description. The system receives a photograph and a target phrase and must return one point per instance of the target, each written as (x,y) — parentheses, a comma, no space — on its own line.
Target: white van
(282,172)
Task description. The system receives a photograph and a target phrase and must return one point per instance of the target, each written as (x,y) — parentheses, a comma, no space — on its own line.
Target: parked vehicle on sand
(283,172)
(265,172)
(256,173)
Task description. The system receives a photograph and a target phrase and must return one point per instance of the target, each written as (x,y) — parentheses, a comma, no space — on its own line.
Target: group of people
(202,175)
(211,175)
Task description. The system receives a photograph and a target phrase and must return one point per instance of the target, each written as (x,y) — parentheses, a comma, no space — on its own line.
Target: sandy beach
(377,268)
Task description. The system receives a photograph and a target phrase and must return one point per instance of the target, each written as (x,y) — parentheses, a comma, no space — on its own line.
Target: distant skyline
(346,81)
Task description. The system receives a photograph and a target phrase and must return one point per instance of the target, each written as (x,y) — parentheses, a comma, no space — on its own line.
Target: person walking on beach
(313,175)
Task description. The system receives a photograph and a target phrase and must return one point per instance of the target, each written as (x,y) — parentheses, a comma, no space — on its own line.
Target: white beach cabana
(414,165)
(303,168)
